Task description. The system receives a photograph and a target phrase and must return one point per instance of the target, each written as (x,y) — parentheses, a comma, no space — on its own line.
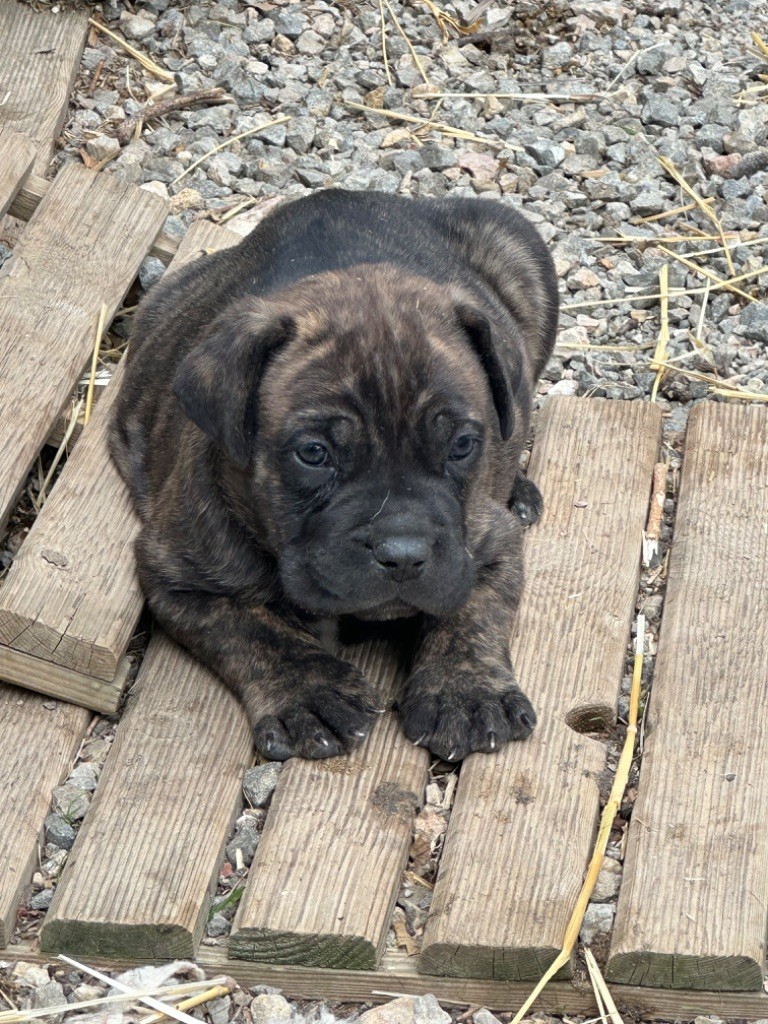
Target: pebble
(70,802)
(259,783)
(608,881)
(406,1010)
(271,1008)
(483,1016)
(597,923)
(59,832)
(245,840)
(753,322)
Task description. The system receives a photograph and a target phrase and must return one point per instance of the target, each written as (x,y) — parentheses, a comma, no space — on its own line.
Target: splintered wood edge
(341,952)
(24,156)
(685,971)
(63,683)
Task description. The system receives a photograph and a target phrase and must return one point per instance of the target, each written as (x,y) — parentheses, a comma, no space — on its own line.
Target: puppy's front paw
(526,500)
(320,719)
(469,715)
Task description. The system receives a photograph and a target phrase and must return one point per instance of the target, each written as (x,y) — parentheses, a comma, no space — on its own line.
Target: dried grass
(408,43)
(662,350)
(670,168)
(142,58)
(228,142)
(443,129)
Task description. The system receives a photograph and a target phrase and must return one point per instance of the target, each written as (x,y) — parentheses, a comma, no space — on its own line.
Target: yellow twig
(142,58)
(670,168)
(408,43)
(445,129)
(384,54)
(744,396)
(606,821)
(671,213)
(705,272)
(759,43)
(661,351)
(216,992)
(601,990)
(102,323)
(228,142)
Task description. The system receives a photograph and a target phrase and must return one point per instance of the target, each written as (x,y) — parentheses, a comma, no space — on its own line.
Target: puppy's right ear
(218,382)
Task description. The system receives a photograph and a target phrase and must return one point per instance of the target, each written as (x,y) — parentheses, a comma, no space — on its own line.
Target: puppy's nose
(403,557)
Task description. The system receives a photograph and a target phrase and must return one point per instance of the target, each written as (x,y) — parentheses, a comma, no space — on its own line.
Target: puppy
(325,422)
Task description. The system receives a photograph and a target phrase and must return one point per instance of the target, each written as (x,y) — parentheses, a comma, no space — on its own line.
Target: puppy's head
(359,406)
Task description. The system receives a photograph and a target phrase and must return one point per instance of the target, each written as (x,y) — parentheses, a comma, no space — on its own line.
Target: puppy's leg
(462,695)
(300,699)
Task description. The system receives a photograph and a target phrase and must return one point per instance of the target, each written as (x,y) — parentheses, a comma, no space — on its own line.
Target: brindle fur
(380,325)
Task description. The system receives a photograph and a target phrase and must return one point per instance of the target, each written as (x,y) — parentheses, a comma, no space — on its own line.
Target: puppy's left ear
(502,367)
(217,383)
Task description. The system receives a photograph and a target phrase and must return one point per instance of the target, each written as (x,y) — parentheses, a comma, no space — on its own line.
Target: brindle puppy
(326,421)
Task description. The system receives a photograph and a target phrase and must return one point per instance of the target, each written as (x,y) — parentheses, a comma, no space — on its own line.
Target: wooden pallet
(316,912)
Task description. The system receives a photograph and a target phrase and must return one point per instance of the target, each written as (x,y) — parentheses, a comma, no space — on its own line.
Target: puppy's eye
(314,454)
(462,447)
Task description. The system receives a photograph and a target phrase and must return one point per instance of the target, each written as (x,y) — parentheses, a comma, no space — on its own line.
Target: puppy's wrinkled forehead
(374,343)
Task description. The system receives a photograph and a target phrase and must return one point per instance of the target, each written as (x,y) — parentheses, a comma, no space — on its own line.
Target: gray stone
(651,61)
(102,147)
(70,802)
(661,111)
(483,1016)
(300,134)
(754,321)
(557,56)
(41,900)
(598,921)
(547,154)
(218,925)
(427,1010)
(310,43)
(50,994)
(150,271)
(134,26)
(259,783)
(59,832)
(289,24)
(437,157)
(608,881)
(648,202)
(270,1008)
(85,776)
(218,1010)
(245,839)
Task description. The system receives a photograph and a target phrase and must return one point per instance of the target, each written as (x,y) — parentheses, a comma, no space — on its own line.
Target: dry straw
(606,821)
(670,168)
(662,351)
(142,58)
(423,122)
(228,142)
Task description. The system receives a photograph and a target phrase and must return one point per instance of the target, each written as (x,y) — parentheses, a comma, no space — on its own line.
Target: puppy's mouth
(371,599)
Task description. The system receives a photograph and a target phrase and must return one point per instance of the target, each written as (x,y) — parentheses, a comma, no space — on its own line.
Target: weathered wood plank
(82,247)
(145,862)
(72,596)
(34,188)
(38,743)
(692,912)
(41,55)
(523,823)
(17,154)
(327,870)
(397,975)
(63,683)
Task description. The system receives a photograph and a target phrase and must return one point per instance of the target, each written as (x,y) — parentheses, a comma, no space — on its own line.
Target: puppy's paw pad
(526,500)
(455,725)
(325,723)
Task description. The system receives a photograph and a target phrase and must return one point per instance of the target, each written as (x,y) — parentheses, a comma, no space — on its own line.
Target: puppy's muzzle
(402,557)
